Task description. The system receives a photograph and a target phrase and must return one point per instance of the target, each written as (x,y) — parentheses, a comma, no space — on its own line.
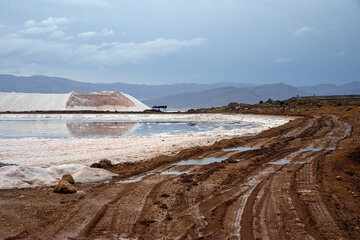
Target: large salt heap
(101,101)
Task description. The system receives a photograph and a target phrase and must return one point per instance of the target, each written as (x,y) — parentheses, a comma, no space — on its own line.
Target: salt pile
(29,177)
(101,101)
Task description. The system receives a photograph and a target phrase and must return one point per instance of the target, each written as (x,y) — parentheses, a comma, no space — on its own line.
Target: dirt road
(282,187)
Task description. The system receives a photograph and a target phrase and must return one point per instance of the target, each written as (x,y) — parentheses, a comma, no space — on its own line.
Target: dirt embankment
(297,181)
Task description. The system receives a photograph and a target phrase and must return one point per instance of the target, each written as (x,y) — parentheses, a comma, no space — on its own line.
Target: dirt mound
(99,101)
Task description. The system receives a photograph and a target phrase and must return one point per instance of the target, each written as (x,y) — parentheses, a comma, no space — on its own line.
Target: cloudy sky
(169,41)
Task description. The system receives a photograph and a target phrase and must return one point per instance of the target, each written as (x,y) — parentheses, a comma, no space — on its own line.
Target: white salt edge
(30,177)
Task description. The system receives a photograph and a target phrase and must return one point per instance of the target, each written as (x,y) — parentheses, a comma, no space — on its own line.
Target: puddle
(170,172)
(280,162)
(239,160)
(305,191)
(134,179)
(335,137)
(240,149)
(316,149)
(202,161)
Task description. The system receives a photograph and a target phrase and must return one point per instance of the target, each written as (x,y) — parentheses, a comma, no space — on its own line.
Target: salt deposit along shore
(40,152)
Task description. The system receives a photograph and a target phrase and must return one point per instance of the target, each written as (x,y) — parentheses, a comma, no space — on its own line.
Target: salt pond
(46,140)
(58,128)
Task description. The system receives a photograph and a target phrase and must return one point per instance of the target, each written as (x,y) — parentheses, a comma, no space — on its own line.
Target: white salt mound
(101,101)
(30,177)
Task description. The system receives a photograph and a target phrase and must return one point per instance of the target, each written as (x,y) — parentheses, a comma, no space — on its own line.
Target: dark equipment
(157,108)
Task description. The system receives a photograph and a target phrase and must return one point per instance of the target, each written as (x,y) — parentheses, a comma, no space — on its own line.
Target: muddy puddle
(316,149)
(280,162)
(202,161)
(240,149)
(132,180)
(173,172)
(336,138)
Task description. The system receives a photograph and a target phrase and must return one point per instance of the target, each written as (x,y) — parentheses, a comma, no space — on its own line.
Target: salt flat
(62,152)
(49,152)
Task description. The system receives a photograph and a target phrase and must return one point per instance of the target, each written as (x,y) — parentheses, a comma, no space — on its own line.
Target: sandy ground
(302,183)
(49,152)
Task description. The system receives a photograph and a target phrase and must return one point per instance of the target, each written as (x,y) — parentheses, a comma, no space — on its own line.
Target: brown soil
(99,100)
(278,191)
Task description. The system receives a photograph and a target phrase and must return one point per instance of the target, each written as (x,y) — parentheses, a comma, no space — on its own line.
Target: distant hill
(223,96)
(332,89)
(44,84)
(176,96)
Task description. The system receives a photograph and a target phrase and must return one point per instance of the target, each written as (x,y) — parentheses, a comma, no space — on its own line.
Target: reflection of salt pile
(70,101)
(100,129)
(28,177)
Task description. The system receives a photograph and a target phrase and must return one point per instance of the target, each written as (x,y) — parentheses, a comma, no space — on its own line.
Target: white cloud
(283,60)
(302,31)
(45,50)
(29,23)
(131,52)
(87,34)
(55,21)
(104,32)
(57,34)
(49,25)
(341,53)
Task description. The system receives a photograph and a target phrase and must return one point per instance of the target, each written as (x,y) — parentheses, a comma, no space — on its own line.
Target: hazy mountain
(44,84)
(176,96)
(223,96)
(332,89)
(350,88)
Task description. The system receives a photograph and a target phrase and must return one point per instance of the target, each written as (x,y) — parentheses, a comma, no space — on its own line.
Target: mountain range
(177,96)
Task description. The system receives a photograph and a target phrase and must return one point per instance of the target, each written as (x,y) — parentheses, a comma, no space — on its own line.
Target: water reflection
(97,129)
(100,129)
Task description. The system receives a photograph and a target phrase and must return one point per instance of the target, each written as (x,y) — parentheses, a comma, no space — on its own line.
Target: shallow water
(336,138)
(240,149)
(172,172)
(132,180)
(316,149)
(280,162)
(97,129)
(202,161)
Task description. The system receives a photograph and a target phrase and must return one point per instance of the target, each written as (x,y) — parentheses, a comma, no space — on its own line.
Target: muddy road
(280,184)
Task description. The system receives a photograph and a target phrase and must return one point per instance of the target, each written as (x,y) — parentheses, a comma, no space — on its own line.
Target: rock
(95,165)
(68,178)
(104,163)
(64,187)
(339,178)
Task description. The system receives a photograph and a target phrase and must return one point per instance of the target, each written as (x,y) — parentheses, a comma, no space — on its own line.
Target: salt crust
(29,177)
(41,161)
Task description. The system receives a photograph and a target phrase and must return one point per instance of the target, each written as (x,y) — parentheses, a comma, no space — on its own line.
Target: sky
(171,41)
